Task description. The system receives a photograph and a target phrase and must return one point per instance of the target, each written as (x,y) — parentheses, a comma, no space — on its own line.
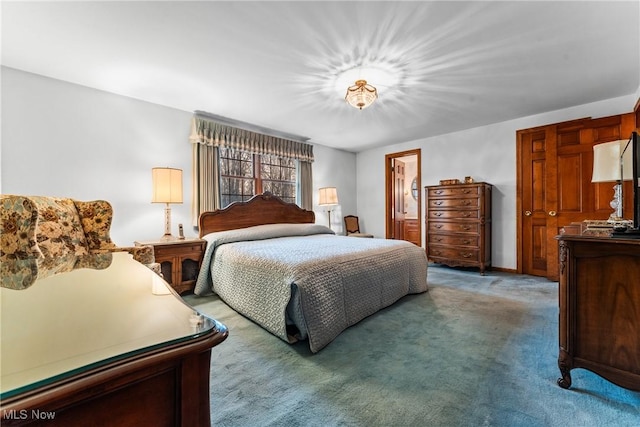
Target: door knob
(527,213)
(553,213)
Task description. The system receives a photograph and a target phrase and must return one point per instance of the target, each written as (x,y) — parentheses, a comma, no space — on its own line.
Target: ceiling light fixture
(361,95)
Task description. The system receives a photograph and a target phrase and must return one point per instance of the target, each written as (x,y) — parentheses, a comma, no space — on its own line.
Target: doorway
(403,198)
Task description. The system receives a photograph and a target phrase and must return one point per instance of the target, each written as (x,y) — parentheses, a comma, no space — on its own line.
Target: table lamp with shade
(167,188)
(610,166)
(328,197)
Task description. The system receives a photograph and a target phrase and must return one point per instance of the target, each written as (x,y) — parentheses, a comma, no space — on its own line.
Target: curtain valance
(208,132)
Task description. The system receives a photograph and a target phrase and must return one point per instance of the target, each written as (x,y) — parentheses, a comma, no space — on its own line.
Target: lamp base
(616,204)
(167,225)
(168,238)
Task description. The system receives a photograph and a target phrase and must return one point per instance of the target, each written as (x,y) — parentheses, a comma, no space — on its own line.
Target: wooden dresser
(599,302)
(108,344)
(458,225)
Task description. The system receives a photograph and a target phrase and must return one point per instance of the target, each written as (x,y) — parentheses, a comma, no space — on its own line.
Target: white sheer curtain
(207,136)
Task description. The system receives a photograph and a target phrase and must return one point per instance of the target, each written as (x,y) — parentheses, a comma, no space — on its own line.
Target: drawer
(178,250)
(457,227)
(459,191)
(455,253)
(455,240)
(472,202)
(446,214)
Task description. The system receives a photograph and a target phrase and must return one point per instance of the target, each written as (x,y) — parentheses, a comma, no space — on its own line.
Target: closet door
(554,185)
(537,147)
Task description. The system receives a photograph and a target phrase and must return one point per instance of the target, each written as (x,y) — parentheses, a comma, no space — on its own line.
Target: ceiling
(445,66)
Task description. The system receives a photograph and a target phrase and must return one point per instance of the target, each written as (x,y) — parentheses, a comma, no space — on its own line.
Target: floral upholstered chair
(41,236)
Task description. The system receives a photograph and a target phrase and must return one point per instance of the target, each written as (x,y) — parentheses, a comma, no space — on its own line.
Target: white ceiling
(274,64)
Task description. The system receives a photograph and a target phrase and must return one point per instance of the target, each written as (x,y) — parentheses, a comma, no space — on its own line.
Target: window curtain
(206,181)
(305,185)
(207,136)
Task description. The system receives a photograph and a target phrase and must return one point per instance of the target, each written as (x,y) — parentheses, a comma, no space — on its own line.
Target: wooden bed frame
(259,210)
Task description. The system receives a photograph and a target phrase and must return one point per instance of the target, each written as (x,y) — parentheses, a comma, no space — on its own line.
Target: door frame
(388,183)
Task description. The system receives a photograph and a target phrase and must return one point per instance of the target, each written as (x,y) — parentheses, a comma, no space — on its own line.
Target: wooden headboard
(259,210)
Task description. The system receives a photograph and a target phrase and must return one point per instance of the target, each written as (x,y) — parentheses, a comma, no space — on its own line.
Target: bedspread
(305,275)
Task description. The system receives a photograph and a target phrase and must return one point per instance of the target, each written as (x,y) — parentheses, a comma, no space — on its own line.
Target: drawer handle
(438,225)
(466,255)
(437,214)
(465,227)
(467,214)
(438,239)
(439,191)
(466,191)
(466,241)
(437,253)
(437,202)
(467,202)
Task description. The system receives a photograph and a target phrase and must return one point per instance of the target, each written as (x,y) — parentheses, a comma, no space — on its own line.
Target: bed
(267,260)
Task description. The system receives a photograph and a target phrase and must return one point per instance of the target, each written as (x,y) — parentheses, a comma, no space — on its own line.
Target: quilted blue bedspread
(303,275)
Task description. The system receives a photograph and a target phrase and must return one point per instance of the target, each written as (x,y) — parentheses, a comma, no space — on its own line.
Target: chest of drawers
(458,225)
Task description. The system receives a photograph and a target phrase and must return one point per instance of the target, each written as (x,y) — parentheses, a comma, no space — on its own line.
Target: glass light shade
(607,163)
(167,185)
(328,196)
(361,95)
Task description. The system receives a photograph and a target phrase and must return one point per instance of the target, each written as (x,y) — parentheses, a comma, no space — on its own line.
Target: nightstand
(180,261)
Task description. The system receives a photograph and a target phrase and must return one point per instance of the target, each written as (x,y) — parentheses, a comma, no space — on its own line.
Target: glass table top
(73,321)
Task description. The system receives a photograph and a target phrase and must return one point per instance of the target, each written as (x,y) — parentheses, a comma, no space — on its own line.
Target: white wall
(486,153)
(68,140)
(334,168)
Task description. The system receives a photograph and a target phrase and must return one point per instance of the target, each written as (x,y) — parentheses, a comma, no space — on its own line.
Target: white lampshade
(328,196)
(167,185)
(606,162)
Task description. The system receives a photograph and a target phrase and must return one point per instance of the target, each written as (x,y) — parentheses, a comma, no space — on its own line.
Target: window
(243,175)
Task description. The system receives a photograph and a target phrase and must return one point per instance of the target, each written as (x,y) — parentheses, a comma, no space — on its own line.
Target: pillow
(59,231)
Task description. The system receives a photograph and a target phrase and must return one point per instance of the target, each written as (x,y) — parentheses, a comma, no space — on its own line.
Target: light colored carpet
(473,351)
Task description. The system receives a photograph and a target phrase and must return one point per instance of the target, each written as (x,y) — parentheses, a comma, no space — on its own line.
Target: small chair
(352,227)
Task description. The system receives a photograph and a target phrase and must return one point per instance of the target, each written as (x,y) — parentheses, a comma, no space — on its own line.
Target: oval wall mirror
(414,188)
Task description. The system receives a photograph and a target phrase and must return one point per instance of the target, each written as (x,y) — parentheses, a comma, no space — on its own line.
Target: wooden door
(395,194)
(538,149)
(555,167)
(398,199)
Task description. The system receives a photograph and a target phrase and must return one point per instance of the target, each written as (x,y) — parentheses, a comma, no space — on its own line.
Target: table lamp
(167,188)
(608,167)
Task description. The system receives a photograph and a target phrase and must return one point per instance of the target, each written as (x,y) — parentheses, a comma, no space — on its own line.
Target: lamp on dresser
(608,167)
(167,188)
(328,197)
